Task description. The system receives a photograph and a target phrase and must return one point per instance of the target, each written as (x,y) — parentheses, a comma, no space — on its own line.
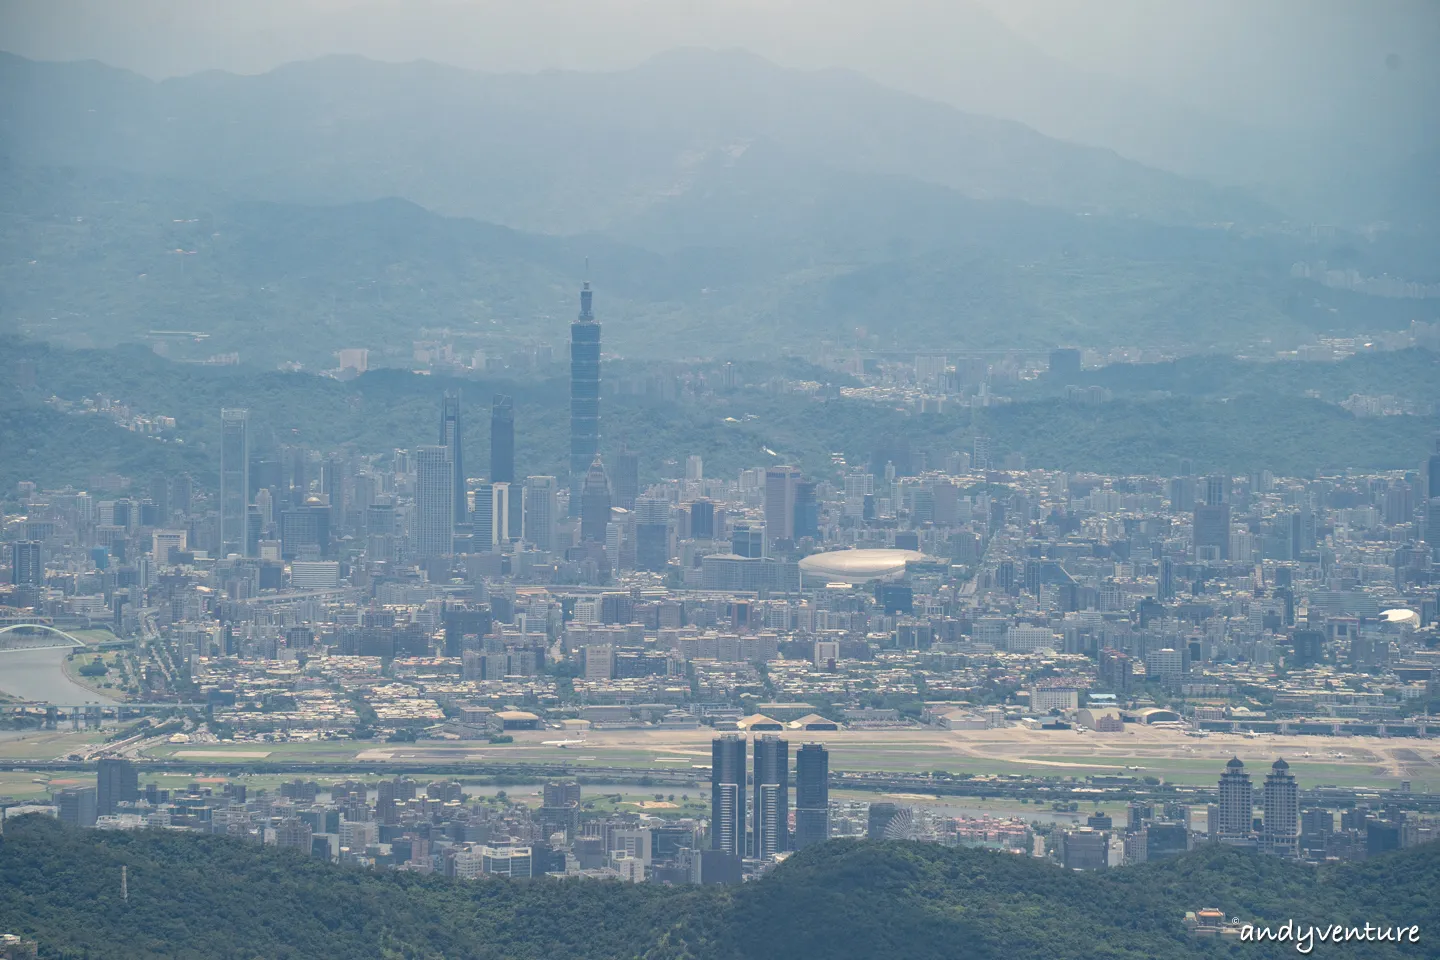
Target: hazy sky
(1306,63)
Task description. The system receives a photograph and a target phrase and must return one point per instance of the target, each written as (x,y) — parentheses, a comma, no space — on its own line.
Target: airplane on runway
(562,744)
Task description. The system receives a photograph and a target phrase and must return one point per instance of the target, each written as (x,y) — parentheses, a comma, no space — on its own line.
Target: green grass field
(47,744)
(903,756)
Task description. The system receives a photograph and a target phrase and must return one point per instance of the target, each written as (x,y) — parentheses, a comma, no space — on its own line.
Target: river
(39,674)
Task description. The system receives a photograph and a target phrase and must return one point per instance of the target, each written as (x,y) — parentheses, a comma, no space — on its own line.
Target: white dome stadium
(856,566)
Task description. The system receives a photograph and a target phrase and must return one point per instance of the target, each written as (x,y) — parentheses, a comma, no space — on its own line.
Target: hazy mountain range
(727,206)
(1318,104)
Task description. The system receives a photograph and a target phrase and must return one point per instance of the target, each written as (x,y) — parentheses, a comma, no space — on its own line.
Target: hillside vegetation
(1262,428)
(194,897)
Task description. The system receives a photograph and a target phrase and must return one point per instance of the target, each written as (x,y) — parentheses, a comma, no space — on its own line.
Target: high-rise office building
(492,514)
(305,532)
(1217,490)
(561,793)
(748,540)
(626,479)
(812,795)
(1165,587)
(595,503)
(780,484)
(807,511)
(980,456)
(702,520)
(1282,811)
(77,806)
(502,459)
(234,478)
(27,567)
(771,804)
(1432,500)
(727,794)
(584,397)
(652,533)
(1237,801)
(541,503)
(116,783)
(433,526)
(502,440)
(1212,531)
(451,438)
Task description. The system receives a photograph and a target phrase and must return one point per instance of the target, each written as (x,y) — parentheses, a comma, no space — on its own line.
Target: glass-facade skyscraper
(727,794)
(595,503)
(812,795)
(772,797)
(584,396)
(234,478)
(502,440)
(450,438)
(433,528)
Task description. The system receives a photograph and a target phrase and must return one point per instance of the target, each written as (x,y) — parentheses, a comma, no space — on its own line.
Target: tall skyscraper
(702,520)
(433,526)
(450,438)
(747,539)
(502,440)
(780,484)
(980,456)
(491,522)
(1432,500)
(652,533)
(584,397)
(27,569)
(1282,811)
(727,794)
(626,481)
(1237,801)
(116,782)
(771,803)
(234,478)
(541,503)
(595,503)
(1211,532)
(807,511)
(812,795)
(77,806)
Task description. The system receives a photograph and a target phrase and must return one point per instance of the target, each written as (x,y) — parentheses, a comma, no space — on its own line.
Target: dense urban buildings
(914,600)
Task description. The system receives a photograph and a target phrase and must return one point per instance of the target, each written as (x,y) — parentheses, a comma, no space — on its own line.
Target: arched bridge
(20,636)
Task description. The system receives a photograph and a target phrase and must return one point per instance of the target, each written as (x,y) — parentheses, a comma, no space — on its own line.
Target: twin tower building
(769,808)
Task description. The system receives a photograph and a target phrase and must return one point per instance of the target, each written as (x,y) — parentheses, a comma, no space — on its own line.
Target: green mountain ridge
(769,252)
(387,409)
(218,898)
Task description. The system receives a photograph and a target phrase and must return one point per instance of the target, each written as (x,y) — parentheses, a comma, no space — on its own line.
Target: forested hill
(195,897)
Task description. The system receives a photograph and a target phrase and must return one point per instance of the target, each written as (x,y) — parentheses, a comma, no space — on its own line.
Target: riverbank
(96,685)
(38,674)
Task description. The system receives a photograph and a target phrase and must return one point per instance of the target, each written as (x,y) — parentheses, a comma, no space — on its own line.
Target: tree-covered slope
(388,409)
(195,897)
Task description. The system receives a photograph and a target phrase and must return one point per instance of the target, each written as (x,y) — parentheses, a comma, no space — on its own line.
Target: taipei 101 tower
(584,396)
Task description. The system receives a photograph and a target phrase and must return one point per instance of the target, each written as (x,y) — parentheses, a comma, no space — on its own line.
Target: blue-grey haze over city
(726,479)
